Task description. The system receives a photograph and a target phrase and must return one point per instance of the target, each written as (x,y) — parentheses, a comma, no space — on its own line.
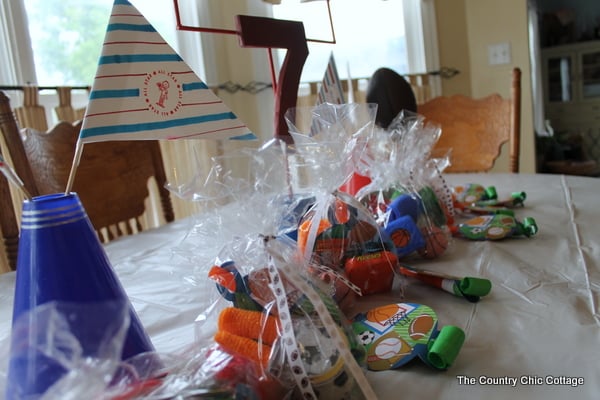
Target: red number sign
(280,34)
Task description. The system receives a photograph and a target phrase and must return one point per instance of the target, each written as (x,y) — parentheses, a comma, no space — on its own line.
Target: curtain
(421,41)
(536,69)
(14,45)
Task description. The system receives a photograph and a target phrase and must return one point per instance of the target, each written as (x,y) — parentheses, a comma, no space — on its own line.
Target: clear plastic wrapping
(76,349)
(268,310)
(407,194)
(338,232)
(271,312)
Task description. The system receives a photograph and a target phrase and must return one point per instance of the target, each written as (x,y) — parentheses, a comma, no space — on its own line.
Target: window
(66,35)
(369,35)
(58,43)
(62,39)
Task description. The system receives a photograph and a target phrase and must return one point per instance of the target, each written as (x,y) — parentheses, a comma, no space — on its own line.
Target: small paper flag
(143,90)
(331,90)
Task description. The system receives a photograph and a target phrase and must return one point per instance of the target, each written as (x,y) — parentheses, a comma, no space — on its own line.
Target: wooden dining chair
(9,228)
(9,225)
(111,180)
(474,130)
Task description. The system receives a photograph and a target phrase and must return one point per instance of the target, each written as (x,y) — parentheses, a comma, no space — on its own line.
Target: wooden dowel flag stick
(76,161)
(13,178)
(143,90)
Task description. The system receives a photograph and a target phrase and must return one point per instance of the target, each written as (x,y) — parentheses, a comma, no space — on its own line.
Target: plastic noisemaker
(61,260)
(477,199)
(394,334)
(496,227)
(471,288)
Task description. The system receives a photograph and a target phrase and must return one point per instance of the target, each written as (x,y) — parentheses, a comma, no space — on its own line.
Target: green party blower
(394,334)
(470,288)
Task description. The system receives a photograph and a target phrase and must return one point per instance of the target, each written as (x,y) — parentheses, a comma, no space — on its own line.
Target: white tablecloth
(540,324)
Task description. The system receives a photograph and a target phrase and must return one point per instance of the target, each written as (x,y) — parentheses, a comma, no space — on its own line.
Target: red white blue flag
(143,90)
(331,90)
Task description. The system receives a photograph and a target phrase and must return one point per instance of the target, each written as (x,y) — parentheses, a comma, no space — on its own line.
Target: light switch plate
(499,53)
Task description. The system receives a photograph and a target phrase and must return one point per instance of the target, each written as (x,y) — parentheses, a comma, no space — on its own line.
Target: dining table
(536,335)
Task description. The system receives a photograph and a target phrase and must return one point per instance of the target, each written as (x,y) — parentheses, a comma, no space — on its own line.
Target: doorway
(566,62)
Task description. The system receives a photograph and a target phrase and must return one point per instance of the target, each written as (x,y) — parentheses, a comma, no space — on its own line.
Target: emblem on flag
(144,90)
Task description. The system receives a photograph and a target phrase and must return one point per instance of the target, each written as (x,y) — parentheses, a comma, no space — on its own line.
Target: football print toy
(395,334)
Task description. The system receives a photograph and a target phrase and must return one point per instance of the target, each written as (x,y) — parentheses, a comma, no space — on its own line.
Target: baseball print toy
(394,334)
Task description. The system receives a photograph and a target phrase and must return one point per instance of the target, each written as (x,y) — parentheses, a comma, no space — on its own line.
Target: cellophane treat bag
(271,328)
(337,233)
(273,318)
(283,323)
(407,195)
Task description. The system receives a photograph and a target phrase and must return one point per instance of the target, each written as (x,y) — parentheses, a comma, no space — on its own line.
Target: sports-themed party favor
(496,227)
(402,194)
(276,321)
(471,288)
(477,199)
(337,231)
(394,334)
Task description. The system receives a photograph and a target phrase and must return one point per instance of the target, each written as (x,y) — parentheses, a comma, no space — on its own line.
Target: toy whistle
(484,200)
(470,193)
(516,199)
(471,288)
(394,334)
(496,227)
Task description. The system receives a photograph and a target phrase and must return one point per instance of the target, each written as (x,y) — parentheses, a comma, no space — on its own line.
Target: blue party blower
(60,260)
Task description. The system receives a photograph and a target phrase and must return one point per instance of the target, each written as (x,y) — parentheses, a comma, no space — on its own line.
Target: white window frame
(15,45)
(18,66)
(422,43)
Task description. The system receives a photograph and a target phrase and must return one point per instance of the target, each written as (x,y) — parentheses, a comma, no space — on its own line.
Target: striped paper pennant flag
(143,90)
(331,90)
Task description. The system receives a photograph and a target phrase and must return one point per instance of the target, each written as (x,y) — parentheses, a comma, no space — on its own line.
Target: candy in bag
(407,194)
(337,232)
(267,311)
(272,312)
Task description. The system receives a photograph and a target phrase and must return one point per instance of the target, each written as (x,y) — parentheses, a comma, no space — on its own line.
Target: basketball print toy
(395,334)
(416,223)
(407,195)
